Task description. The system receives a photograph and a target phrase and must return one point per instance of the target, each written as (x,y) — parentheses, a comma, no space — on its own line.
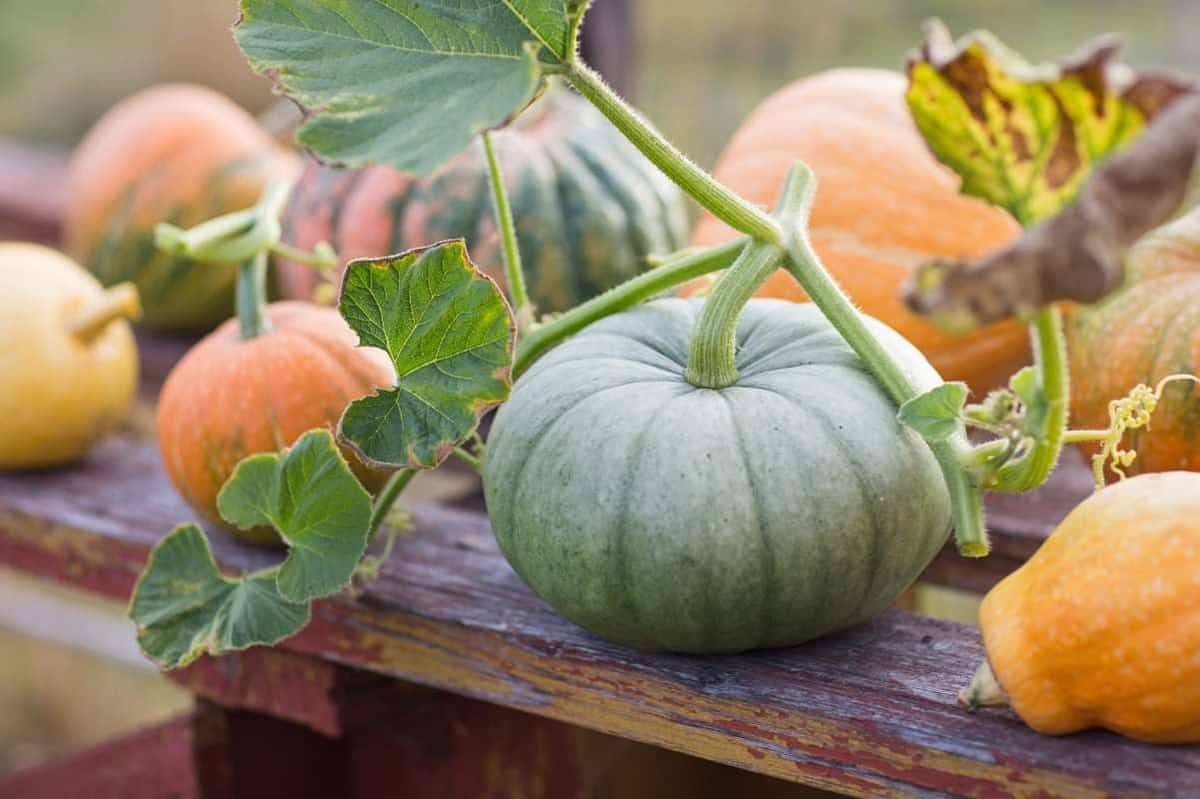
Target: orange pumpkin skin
(1101,627)
(1146,331)
(884,205)
(229,398)
(172,153)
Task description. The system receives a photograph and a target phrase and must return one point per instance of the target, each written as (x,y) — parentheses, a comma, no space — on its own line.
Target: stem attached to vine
(712,195)
(252,297)
(1050,355)
(966,495)
(712,360)
(689,266)
(513,270)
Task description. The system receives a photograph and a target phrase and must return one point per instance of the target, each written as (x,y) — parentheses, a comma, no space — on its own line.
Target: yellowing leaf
(1026,137)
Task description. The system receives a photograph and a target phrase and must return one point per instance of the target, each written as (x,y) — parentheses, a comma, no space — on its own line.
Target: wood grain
(868,712)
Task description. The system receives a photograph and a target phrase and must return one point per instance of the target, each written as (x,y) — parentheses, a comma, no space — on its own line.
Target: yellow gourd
(68,361)
(1101,627)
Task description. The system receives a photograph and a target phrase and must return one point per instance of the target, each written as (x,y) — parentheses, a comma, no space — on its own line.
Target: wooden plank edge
(565,681)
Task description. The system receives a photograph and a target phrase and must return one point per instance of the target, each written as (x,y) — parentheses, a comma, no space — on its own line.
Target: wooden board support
(868,712)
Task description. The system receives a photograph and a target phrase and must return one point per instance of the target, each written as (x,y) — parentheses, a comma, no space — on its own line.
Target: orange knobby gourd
(1101,627)
(884,205)
(1148,330)
(230,397)
(173,153)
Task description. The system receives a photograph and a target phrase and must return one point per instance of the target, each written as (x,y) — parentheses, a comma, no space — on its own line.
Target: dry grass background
(702,65)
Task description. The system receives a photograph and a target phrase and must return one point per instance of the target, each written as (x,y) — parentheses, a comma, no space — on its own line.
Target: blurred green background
(700,66)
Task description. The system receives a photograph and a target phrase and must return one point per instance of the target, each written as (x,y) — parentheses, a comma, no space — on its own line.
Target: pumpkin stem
(118,302)
(804,264)
(514,271)
(252,297)
(677,270)
(984,690)
(712,360)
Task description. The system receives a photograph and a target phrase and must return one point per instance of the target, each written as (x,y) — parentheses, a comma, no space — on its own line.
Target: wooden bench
(448,678)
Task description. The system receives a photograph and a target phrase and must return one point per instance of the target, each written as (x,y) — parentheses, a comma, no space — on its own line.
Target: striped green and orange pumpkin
(173,153)
(588,207)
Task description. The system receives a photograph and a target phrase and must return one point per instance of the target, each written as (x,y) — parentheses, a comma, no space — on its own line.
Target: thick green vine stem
(966,495)
(1050,356)
(712,360)
(252,297)
(673,272)
(514,271)
(247,237)
(712,195)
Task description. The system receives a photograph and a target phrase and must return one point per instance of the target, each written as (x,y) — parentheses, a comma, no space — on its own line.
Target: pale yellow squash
(68,361)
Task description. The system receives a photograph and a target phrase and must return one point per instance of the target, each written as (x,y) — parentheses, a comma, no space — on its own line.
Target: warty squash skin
(588,207)
(67,377)
(884,207)
(669,517)
(1144,332)
(173,153)
(230,398)
(1101,627)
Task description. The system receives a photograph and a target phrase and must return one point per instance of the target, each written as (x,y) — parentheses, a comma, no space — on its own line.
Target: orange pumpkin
(1101,627)
(1146,331)
(173,153)
(230,397)
(884,205)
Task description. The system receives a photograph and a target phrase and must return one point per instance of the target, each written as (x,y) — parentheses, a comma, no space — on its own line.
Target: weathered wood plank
(868,712)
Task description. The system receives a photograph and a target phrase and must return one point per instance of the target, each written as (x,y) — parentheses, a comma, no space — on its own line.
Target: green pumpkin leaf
(309,495)
(184,607)
(450,335)
(936,413)
(1026,137)
(404,82)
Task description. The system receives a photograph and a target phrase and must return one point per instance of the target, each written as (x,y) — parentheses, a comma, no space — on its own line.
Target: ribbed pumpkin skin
(668,517)
(884,205)
(174,153)
(588,207)
(1101,627)
(230,398)
(1144,332)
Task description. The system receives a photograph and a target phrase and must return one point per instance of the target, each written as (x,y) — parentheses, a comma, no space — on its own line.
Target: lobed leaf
(450,335)
(935,414)
(1026,137)
(309,495)
(184,607)
(404,82)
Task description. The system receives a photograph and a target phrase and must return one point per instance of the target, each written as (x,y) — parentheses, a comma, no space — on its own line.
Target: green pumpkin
(588,207)
(670,517)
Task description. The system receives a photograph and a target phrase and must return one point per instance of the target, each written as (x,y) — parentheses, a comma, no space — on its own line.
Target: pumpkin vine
(456,348)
